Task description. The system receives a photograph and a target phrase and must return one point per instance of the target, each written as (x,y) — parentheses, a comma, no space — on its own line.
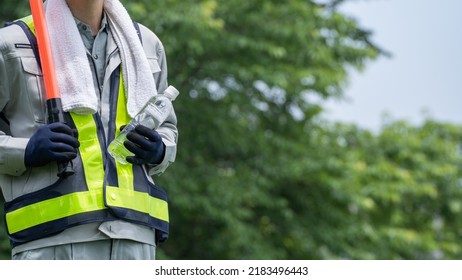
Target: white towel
(73,71)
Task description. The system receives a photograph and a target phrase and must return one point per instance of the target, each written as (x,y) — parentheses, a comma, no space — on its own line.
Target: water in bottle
(152,115)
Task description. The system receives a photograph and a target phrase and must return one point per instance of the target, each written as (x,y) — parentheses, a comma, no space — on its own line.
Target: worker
(107,67)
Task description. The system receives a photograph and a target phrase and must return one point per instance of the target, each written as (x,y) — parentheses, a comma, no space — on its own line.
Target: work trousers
(110,249)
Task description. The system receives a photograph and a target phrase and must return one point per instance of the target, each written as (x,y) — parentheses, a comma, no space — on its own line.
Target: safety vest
(101,188)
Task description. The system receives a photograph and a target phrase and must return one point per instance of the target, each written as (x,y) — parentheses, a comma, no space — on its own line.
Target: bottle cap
(171,93)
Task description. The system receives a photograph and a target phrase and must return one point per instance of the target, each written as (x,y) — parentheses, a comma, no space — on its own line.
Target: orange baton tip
(44,46)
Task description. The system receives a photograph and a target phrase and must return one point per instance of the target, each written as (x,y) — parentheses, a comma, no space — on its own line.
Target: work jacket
(22,105)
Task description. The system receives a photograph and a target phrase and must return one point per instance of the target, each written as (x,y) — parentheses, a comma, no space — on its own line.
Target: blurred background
(420,79)
(310,129)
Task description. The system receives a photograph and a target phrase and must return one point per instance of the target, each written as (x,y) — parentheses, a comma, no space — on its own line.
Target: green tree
(258,174)
(388,196)
(246,70)
(12,10)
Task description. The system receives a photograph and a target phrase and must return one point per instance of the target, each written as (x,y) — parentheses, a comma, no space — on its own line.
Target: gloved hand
(146,144)
(51,142)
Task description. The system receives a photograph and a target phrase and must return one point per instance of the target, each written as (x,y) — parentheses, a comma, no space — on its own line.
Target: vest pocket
(33,81)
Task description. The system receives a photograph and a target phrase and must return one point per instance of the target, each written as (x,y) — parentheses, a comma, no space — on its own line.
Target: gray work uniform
(22,103)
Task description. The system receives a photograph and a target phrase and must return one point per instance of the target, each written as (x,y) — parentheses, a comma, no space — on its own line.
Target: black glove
(146,144)
(51,142)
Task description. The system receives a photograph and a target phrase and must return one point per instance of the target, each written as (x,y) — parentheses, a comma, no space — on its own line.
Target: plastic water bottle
(152,115)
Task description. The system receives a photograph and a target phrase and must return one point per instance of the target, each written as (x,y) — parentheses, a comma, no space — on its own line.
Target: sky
(422,79)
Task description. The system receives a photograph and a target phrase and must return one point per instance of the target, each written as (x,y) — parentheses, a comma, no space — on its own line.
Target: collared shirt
(96,48)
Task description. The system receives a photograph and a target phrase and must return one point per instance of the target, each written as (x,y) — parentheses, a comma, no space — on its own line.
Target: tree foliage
(258,175)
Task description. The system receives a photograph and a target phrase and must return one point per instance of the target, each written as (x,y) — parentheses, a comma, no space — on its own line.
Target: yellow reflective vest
(100,190)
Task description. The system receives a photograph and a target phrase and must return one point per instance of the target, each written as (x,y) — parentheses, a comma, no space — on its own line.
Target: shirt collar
(85,28)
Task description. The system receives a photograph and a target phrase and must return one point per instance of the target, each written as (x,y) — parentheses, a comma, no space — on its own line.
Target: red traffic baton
(53,103)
